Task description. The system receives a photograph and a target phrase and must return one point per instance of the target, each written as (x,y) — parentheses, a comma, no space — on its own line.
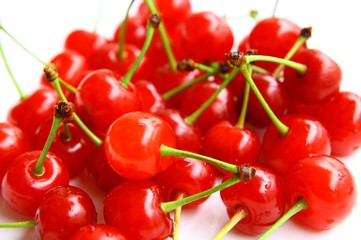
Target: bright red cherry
(305,136)
(262,198)
(231,144)
(29,113)
(13,142)
(206,37)
(135,31)
(132,145)
(62,212)
(321,81)
(23,190)
(101,99)
(134,207)
(151,100)
(325,183)
(188,176)
(97,232)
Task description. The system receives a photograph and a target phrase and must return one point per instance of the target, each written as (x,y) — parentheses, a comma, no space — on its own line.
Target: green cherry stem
(53,77)
(97,20)
(121,43)
(153,23)
(191,118)
(62,110)
(21,93)
(242,115)
(281,127)
(177,215)
(169,151)
(23,224)
(164,36)
(300,205)
(238,215)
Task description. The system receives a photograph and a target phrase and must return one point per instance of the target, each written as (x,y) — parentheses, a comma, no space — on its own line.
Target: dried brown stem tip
(186,65)
(246,172)
(306,32)
(64,110)
(235,58)
(50,73)
(154,20)
(223,67)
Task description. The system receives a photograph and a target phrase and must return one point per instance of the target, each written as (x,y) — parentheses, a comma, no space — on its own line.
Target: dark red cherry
(321,81)
(134,207)
(206,37)
(132,145)
(23,190)
(97,232)
(62,212)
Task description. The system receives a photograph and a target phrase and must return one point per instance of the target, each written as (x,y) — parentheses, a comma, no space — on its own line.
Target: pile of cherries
(167,113)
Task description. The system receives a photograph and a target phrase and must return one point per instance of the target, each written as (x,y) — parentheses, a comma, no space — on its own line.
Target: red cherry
(231,144)
(189,136)
(341,116)
(97,232)
(274,93)
(84,42)
(73,150)
(62,212)
(262,198)
(151,100)
(321,81)
(222,108)
(29,113)
(23,190)
(326,184)
(134,207)
(282,33)
(206,37)
(135,31)
(132,145)
(13,142)
(188,176)
(101,99)
(306,136)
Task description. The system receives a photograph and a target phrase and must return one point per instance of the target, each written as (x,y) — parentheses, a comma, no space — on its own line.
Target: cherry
(187,176)
(134,207)
(151,99)
(189,136)
(262,200)
(203,31)
(305,136)
(97,106)
(98,232)
(62,212)
(321,81)
(135,30)
(132,145)
(23,190)
(29,113)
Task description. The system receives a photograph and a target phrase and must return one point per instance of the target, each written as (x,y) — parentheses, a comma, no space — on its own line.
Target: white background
(43,25)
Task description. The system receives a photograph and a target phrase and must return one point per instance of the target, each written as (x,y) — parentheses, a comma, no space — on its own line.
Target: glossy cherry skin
(273,37)
(97,232)
(135,31)
(73,151)
(231,144)
(262,197)
(321,81)
(306,136)
(134,207)
(188,176)
(151,99)
(13,142)
(189,136)
(62,212)
(326,184)
(84,42)
(29,113)
(132,145)
(206,37)
(23,190)
(101,99)
(222,108)
(274,93)
(341,116)
(100,172)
